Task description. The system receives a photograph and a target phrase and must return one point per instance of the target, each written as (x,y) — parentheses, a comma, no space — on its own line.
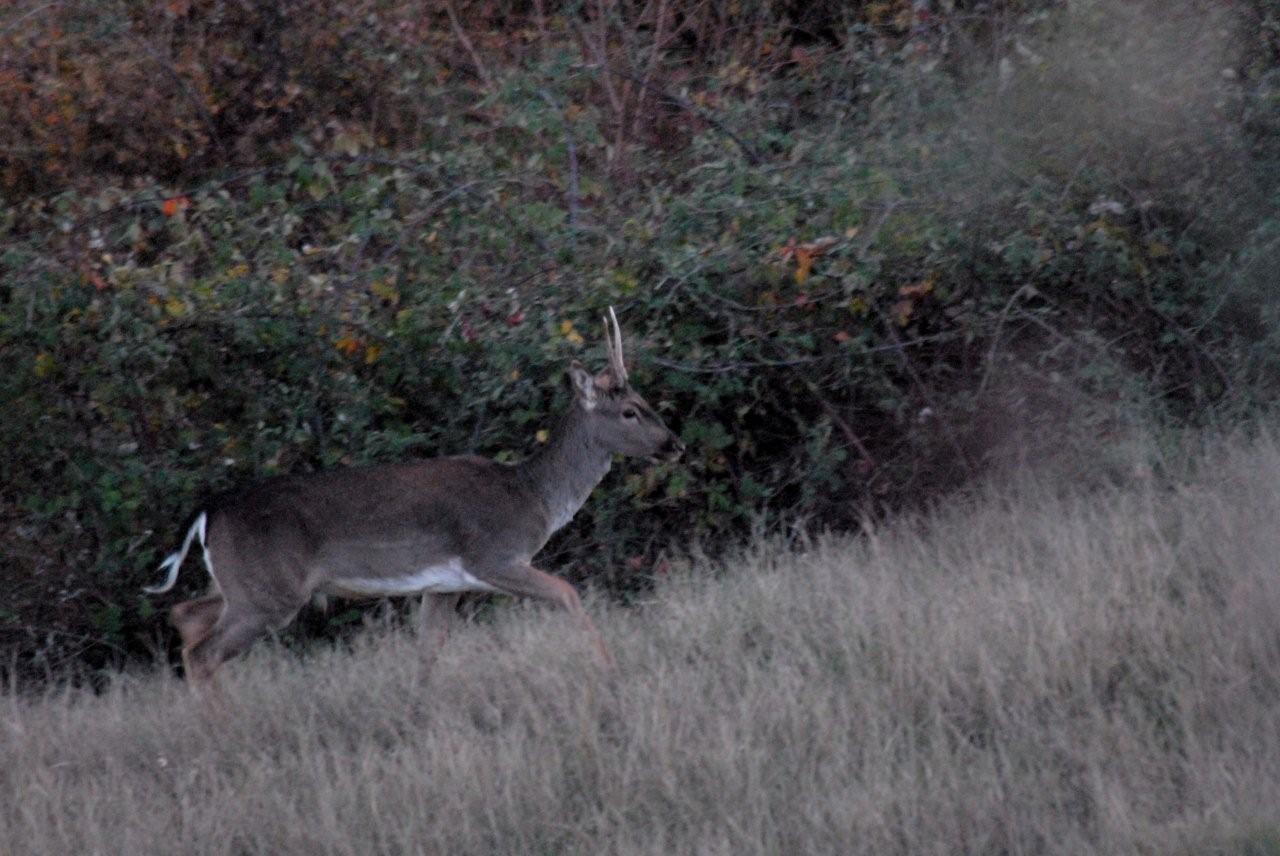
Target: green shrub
(846,289)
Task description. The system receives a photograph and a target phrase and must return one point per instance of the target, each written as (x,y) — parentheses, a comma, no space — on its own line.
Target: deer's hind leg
(238,627)
(194,620)
(262,579)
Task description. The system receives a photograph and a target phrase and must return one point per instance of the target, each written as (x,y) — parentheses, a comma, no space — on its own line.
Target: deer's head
(617,418)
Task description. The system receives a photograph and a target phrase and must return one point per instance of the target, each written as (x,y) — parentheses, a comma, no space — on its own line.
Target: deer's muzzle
(671,450)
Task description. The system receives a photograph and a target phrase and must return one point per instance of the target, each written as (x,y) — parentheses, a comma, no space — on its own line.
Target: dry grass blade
(1039,671)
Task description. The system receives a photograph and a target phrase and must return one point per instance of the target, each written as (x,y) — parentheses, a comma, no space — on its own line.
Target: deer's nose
(673,449)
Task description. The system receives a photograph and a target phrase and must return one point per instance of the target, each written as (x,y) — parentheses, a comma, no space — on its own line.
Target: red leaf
(174,204)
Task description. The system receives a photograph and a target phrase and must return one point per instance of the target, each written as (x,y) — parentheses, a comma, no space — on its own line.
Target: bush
(835,317)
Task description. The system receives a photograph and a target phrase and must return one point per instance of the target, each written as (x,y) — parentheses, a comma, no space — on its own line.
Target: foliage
(852,279)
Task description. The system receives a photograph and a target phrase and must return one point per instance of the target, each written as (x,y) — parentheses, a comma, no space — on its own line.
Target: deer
(436,526)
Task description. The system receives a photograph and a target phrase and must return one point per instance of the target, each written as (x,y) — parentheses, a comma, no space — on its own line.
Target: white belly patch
(444,578)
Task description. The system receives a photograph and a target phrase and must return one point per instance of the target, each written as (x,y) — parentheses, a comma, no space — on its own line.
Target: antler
(613,343)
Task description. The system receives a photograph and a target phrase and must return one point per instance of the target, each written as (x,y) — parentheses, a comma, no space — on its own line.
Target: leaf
(804,263)
(917,290)
(902,311)
(572,335)
(542,436)
(371,354)
(348,344)
(44,365)
(386,290)
(804,254)
(174,204)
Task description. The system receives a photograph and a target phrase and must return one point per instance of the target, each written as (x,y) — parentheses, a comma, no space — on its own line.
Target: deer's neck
(565,471)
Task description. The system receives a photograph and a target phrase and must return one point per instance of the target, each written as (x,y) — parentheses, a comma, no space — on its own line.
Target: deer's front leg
(528,581)
(436,619)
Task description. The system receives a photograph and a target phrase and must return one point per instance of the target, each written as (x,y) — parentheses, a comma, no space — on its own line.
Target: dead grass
(1031,670)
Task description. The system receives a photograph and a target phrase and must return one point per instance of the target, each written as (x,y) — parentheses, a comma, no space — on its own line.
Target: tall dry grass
(1035,669)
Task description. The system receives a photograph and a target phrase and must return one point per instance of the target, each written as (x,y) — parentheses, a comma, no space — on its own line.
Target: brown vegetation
(1032,670)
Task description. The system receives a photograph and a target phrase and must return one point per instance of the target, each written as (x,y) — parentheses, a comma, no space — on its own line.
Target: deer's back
(385,517)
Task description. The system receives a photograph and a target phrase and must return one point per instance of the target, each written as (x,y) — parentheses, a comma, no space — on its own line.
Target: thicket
(862,254)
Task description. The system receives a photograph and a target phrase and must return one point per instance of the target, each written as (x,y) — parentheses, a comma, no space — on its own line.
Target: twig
(922,387)
(752,157)
(571,150)
(658,46)
(467,45)
(722,368)
(1029,291)
(841,423)
(18,20)
(190,93)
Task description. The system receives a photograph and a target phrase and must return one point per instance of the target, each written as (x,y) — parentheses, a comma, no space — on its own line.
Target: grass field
(1030,669)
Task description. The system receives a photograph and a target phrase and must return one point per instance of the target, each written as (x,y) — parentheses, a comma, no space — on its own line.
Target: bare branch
(481,71)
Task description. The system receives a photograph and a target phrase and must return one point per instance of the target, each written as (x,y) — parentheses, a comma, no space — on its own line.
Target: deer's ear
(583,385)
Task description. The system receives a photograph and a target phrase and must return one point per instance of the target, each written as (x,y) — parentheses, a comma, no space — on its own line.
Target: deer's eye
(629,413)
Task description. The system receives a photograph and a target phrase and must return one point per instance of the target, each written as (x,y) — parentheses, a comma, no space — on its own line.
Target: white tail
(174,560)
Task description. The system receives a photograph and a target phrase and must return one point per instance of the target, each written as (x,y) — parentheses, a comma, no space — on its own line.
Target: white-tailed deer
(437,527)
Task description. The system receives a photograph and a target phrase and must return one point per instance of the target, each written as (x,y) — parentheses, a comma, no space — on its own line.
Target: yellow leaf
(878,13)
(347,143)
(566,330)
(279,275)
(625,282)
(542,436)
(43,364)
(804,264)
(348,344)
(919,289)
(386,290)
(371,353)
(175,307)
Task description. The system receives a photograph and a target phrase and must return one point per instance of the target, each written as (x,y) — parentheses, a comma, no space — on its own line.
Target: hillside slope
(1030,670)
